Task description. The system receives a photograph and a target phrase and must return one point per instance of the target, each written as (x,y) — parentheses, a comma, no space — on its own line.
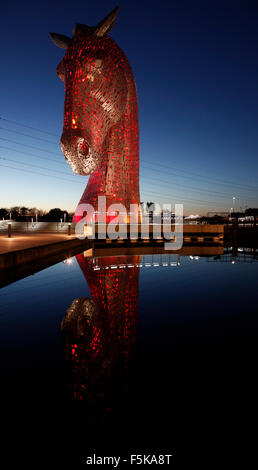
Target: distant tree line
(219,219)
(23,214)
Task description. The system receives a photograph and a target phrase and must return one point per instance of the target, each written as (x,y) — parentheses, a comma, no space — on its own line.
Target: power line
(181,200)
(146,161)
(152,169)
(167,195)
(142,177)
(213,179)
(189,188)
(32,155)
(58,171)
(199,176)
(42,158)
(46,169)
(41,174)
(28,127)
(71,181)
(223,195)
(36,166)
(29,146)
(27,135)
(171,183)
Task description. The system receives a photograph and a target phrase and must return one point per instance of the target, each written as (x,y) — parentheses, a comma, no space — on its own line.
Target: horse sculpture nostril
(83,147)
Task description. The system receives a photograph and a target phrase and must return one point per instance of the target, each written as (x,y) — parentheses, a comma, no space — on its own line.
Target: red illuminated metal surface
(100,133)
(100,333)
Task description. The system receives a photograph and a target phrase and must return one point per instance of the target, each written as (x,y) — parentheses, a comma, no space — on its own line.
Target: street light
(234,201)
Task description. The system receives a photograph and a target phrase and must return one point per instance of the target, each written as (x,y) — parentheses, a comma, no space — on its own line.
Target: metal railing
(36,227)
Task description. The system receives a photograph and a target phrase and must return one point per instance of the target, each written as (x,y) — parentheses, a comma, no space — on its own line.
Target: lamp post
(234,202)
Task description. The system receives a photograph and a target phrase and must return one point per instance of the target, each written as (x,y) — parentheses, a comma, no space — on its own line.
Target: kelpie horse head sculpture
(100,133)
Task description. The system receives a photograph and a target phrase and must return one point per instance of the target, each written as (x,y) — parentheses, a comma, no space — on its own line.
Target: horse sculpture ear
(60,40)
(105,26)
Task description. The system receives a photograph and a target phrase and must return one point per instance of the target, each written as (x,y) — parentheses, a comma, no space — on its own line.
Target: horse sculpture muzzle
(81,157)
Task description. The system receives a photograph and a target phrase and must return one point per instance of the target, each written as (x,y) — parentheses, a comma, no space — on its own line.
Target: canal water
(113,356)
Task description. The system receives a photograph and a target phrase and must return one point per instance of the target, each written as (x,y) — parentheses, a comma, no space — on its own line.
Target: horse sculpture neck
(117,177)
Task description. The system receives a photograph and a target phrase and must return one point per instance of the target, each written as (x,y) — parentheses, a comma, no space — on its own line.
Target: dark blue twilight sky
(196,70)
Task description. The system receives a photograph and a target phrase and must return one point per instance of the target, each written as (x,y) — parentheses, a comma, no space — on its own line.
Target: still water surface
(130,354)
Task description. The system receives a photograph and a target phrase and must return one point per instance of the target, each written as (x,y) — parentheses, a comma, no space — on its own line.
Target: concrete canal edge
(17,258)
(13,259)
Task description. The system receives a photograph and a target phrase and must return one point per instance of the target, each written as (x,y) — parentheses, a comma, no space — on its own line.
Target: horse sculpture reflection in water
(100,133)
(100,333)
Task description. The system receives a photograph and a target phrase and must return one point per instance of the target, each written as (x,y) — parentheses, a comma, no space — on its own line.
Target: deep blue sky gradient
(196,70)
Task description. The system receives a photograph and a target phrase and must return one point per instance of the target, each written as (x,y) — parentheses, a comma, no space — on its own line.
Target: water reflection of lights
(240,255)
(146,263)
(194,257)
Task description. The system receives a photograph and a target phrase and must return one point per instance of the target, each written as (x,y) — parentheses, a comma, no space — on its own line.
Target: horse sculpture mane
(100,133)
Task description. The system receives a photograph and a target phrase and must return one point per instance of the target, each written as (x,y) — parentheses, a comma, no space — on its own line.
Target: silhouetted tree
(23,210)
(15,210)
(22,213)
(3,213)
(251,211)
(56,214)
(15,213)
